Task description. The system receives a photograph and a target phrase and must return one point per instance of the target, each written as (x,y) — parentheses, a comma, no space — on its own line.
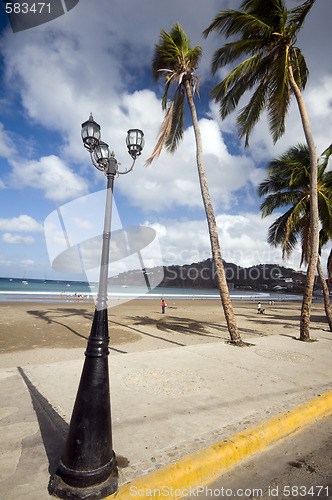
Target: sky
(97,58)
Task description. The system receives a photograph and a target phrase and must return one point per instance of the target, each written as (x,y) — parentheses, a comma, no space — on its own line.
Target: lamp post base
(88,467)
(61,489)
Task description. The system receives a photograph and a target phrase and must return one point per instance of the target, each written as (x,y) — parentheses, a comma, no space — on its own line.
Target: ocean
(14,289)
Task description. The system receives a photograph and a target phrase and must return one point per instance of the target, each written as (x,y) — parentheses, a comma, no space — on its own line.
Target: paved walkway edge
(180,478)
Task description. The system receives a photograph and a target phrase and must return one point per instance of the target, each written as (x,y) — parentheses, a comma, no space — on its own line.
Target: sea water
(37,289)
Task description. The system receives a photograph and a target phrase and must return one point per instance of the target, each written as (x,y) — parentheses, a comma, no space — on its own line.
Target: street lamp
(88,467)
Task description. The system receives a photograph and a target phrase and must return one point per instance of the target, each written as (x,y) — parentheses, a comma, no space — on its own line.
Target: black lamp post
(88,467)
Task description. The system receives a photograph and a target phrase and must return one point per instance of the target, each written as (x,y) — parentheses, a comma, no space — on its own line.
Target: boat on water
(25,282)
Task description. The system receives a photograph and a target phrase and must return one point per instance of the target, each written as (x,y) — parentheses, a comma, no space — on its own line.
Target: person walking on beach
(259,308)
(163,305)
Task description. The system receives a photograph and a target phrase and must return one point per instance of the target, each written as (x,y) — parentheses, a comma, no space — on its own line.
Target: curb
(178,479)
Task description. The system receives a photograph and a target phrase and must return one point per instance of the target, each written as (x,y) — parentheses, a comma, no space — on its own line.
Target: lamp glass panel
(134,137)
(102,152)
(90,129)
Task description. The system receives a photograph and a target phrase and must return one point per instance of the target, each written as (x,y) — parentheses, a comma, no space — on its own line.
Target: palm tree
(323,240)
(288,186)
(273,69)
(175,62)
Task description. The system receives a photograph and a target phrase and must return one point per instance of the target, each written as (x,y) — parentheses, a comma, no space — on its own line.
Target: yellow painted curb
(175,480)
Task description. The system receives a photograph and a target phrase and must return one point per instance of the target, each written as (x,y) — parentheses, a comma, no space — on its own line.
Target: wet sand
(34,332)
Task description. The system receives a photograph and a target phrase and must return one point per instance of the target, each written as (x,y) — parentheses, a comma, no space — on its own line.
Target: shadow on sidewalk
(53,427)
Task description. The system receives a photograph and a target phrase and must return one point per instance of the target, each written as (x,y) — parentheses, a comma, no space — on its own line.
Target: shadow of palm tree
(50,317)
(146,333)
(177,324)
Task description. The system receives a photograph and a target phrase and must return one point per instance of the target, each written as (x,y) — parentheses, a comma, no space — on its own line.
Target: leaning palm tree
(175,62)
(273,69)
(288,186)
(323,240)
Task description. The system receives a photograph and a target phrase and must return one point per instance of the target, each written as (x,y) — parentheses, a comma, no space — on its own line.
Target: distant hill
(201,275)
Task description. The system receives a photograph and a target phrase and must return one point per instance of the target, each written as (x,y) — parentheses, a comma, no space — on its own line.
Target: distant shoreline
(15,290)
(58,297)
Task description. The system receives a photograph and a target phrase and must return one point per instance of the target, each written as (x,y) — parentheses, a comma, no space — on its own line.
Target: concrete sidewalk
(166,404)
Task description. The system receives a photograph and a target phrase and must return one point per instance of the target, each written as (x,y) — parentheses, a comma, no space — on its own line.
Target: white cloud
(7,147)
(242,240)
(23,223)
(318,101)
(51,175)
(59,72)
(94,72)
(172,179)
(17,239)
(40,62)
(18,264)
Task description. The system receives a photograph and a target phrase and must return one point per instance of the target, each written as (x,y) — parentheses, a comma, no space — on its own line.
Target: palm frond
(290,171)
(174,61)
(266,31)
(288,184)
(279,94)
(324,238)
(277,200)
(234,50)
(177,125)
(250,114)
(164,55)
(327,153)
(274,12)
(277,231)
(325,210)
(163,134)
(300,69)
(169,82)
(293,227)
(195,85)
(231,89)
(234,22)
(285,229)
(297,16)
(193,57)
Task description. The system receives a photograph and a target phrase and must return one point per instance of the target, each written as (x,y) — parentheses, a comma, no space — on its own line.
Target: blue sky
(97,58)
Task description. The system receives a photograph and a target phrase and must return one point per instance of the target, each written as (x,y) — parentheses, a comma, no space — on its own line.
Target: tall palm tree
(288,186)
(324,238)
(273,69)
(175,62)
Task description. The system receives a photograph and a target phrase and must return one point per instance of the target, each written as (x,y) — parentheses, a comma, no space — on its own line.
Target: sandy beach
(35,332)
(167,402)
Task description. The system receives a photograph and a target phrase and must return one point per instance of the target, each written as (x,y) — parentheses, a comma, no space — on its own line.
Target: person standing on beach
(163,305)
(259,308)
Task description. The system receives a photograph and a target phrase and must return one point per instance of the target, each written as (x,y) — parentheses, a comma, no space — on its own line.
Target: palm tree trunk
(329,265)
(314,217)
(213,230)
(326,293)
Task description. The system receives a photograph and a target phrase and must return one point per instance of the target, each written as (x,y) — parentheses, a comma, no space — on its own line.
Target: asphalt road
(300,467)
